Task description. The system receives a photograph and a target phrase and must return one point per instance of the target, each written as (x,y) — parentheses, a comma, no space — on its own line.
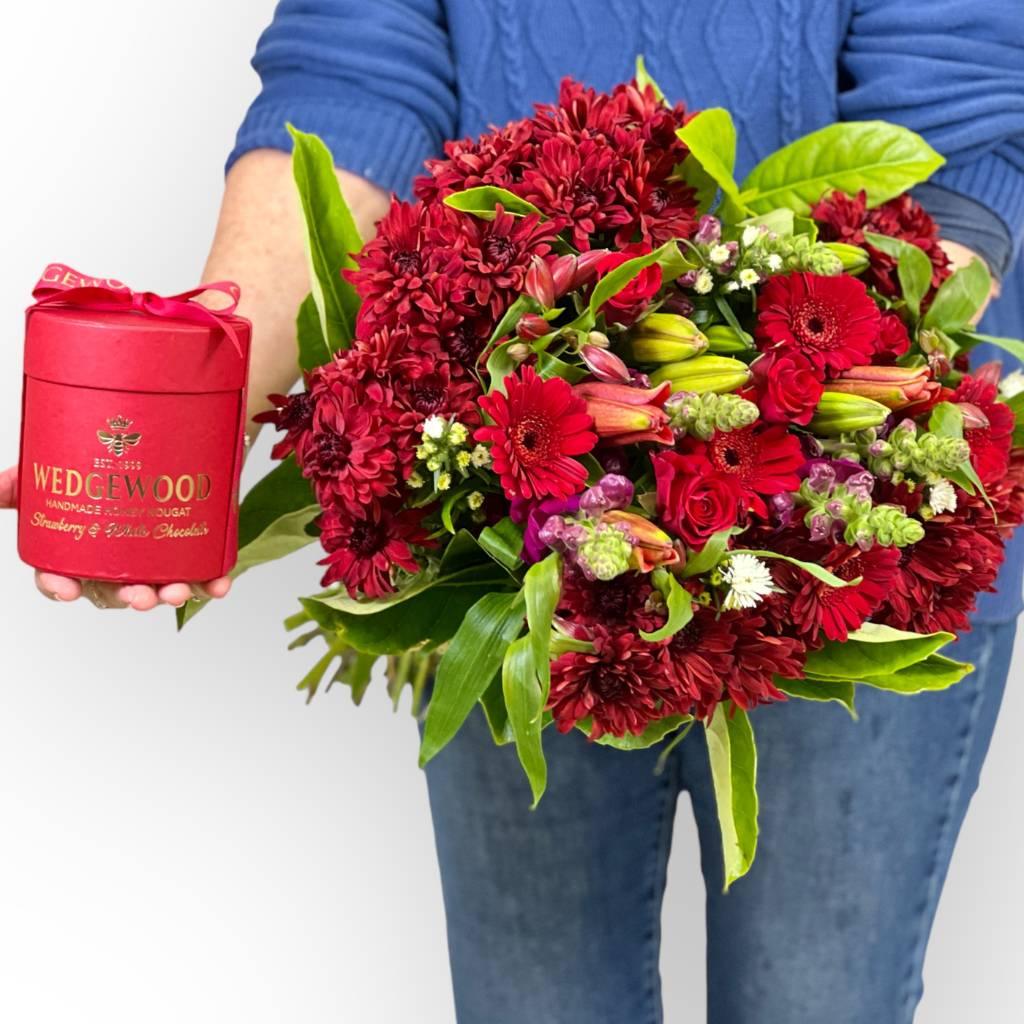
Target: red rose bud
(629,302)
(530,327)
(626,415)
(605,365)
(540,284)
(788,387)
(652,546)
(896,387)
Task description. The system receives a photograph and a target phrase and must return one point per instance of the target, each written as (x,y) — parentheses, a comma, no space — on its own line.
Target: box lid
(134,351)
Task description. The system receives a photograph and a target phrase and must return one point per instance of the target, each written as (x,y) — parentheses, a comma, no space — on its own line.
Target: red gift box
(133,417)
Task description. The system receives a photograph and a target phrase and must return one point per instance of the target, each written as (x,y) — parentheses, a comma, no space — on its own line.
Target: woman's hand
(139,596)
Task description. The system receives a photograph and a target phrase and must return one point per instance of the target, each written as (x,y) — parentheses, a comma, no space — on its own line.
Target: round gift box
(131,444)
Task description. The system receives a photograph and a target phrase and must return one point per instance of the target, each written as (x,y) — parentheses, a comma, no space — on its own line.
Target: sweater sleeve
(374,80)
(952,70)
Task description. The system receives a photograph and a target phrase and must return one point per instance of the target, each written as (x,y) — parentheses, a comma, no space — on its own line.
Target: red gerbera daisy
(765,459)
(538,426)
(990,446)
(619,685)
(831,320)
(838,611)
(364,543)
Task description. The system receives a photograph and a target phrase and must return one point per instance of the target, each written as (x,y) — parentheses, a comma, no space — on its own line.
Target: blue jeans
(554,916)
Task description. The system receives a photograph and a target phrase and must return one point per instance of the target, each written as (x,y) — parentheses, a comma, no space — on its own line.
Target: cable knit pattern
(386,82)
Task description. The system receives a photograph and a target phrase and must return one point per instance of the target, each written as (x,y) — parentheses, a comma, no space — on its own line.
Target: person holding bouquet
(554,915)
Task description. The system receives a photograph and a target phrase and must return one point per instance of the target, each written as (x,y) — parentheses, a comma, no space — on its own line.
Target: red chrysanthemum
(364,544)
(350,452)
(843,218)
(294,415)
(619,686)
(990,446)
(765,459)
(831,320)
(538,426)
(628,600)
(837,611)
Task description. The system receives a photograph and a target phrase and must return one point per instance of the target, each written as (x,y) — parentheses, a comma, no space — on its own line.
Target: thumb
(9,487)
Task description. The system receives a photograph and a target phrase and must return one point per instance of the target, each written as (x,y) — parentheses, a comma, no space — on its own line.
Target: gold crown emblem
(117,439)
(119,423)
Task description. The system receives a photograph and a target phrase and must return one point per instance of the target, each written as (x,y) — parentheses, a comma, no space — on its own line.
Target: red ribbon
(60,285)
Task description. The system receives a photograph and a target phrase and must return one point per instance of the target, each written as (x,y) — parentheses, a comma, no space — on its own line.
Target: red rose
(694,499)
(628,304)
(893,340)
(787,386)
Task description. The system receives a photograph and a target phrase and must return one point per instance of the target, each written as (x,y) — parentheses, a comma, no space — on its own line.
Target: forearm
(259,244)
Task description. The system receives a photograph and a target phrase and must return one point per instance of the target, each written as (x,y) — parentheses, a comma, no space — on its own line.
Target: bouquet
(598,438)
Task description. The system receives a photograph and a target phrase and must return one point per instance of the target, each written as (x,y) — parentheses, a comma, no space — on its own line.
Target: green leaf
(959,298)
(331,237)
(483,200)
(915,273)
(549,366)
(503,542)
(614,281)
(475,654)
(947,420)
(1016,405)
(819,572)
(655,732)
(841,691)
(779,221)
(733,759)
(873,650)
(644,79)
(711,138)
(492,700)
(542,587)
(936,672)
(679,602)
(524,699)
(1011,345)
(881,158)
(313,348)
(709,556)
(273,522)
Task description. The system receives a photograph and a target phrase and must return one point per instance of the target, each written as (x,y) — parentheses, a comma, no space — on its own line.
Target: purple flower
(533,515)
(709,230)
(611,491)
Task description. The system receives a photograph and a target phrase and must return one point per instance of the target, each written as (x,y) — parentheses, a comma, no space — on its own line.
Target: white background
(181,838)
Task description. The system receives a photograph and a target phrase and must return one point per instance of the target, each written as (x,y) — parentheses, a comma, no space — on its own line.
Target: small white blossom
(942,497)
(1012,384)
(704,282)
(748,278)
(434,427)
(415,481)
(462,460)
(774,262)
(751,233)
(749,579)
(434,464)
(444,481)
(457,433)
(731,286)
(719,254)
(475,500)
(480,456)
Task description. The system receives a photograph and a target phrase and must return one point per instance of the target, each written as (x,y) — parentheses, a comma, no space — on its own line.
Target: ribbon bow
(60,285)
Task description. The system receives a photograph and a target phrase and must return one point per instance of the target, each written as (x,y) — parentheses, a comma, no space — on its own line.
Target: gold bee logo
(117,440)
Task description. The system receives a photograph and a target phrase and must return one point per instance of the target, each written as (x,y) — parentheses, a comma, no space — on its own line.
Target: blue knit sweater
(385,82)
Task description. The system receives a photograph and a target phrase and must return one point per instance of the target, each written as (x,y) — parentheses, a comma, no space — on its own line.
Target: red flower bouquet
(593,435)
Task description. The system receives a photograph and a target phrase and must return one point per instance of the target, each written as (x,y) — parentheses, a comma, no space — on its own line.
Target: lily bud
(894,386)
(723,338)
(853,258)
(569,272)
(719,374)
(598,339)
(539,283)
(518,352)
(530,327)
(665,338)
(974,418)
(651,546)
(605,365)
(840,413)
(626,415)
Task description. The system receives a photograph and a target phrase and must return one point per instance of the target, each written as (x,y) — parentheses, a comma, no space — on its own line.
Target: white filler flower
(749,579)
(942,497)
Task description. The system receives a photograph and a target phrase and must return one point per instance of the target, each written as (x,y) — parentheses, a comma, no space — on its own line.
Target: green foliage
(873,650)
(483,201)
(935,672)
(503,542)
(654,733)
(313,348)
(679,604)
(331,237)
(711,139)
(881,158)
(733,759)
(1013,346)
(839,690)
(710,555)
(274,520)
(959,298)
(644,79)
(914,270)
(817,571)
(474,655)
